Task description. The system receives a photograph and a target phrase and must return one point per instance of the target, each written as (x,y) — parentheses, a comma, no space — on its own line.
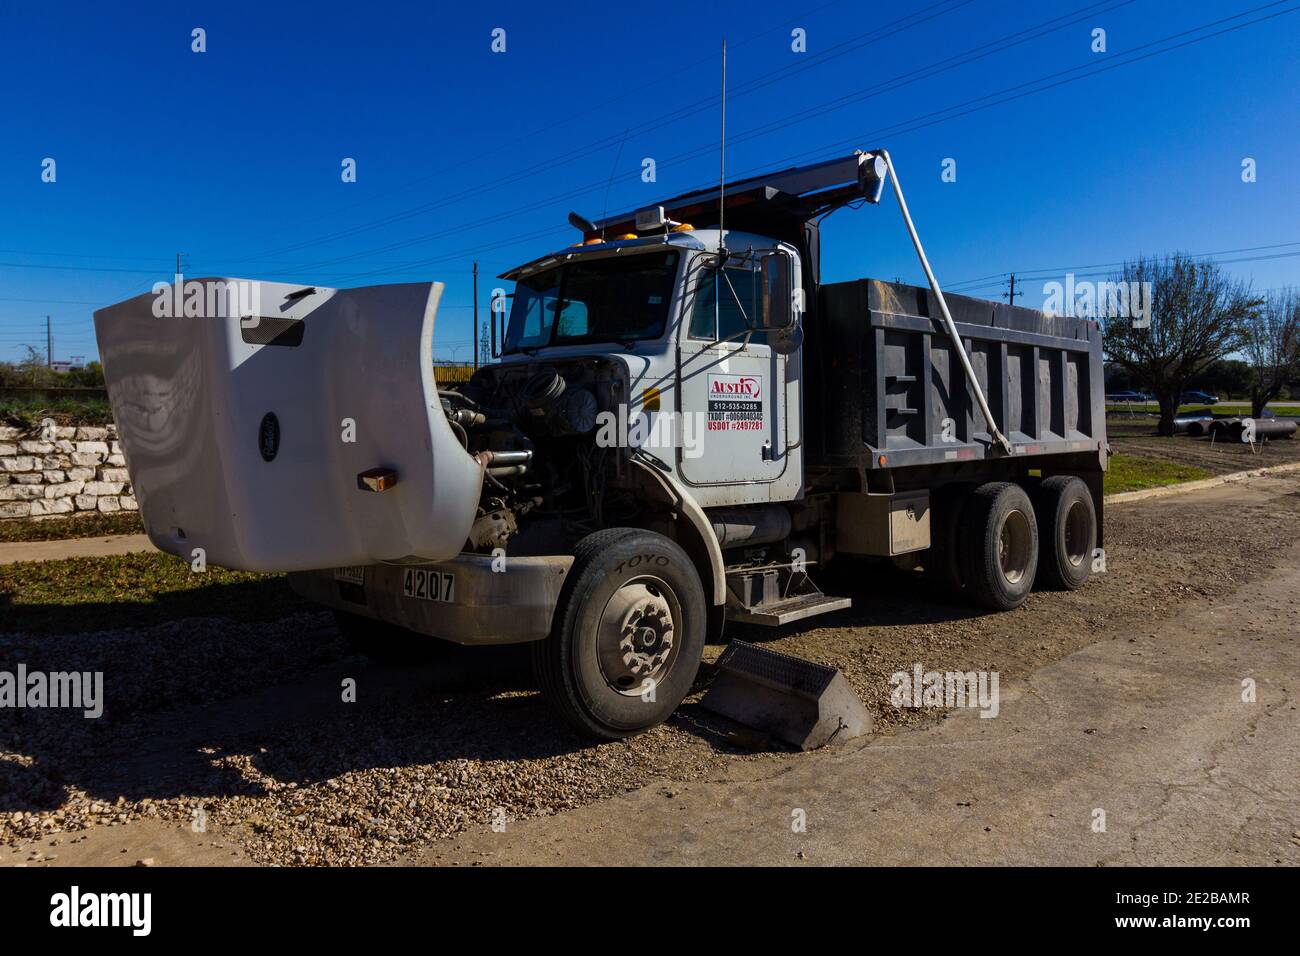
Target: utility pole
(1012,293)
(49,344)
(476,315)
(179,257)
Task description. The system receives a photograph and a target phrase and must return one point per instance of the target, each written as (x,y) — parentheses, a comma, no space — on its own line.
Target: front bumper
(512,605)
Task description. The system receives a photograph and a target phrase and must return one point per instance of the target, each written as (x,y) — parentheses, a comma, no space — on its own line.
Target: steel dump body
(893,394)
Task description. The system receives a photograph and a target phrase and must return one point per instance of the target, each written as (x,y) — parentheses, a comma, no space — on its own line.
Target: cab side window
(727,306)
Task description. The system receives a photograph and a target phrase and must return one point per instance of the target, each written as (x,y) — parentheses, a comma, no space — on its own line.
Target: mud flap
(805,704)
(247,410)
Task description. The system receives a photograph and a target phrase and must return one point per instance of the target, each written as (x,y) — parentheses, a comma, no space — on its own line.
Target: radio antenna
(722,161)
(604,213)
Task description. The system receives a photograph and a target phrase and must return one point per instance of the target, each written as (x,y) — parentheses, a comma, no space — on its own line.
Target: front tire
(627,637)
(999,546)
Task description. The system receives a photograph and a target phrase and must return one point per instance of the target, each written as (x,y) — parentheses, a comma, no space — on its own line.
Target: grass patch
(89,525)
(134,590)
(29,412)
(1133,473)
(1209,411)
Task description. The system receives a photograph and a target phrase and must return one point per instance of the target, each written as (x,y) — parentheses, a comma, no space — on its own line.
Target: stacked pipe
(1263,428)
(1193,426)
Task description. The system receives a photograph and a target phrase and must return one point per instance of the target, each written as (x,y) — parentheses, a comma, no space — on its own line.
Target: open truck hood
(234,429)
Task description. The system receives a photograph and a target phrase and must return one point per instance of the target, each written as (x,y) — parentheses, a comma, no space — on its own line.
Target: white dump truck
(685,427)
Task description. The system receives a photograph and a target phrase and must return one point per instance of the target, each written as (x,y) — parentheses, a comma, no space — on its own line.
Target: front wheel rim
(638,635)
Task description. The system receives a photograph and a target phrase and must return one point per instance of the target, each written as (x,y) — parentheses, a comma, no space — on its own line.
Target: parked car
(1199,398)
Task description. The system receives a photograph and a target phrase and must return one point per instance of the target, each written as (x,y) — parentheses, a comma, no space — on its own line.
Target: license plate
(425,585)
(352,575)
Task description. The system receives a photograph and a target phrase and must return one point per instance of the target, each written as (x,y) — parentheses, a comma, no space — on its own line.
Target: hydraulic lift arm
(994,431)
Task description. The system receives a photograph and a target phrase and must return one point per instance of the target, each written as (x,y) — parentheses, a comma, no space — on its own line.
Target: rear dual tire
(999,545)
(943,561)
(1067,528)
(995,543)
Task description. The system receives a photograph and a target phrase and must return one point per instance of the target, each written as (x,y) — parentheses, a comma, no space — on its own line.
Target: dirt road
(240,730)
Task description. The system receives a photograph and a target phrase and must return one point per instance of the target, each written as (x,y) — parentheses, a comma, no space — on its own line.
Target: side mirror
(776,314)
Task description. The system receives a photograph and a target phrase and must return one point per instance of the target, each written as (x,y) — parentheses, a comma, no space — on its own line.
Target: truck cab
(711,394)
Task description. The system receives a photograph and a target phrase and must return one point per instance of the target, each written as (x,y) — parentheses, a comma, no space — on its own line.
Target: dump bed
(893,393)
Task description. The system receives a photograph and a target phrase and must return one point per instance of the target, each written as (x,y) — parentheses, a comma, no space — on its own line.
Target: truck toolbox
(883,525)
(245,426)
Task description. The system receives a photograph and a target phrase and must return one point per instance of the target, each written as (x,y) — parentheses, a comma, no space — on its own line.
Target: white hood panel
(190,396)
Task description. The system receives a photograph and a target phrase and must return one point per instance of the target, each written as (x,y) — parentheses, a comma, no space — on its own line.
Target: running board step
(776,594)
(791,609)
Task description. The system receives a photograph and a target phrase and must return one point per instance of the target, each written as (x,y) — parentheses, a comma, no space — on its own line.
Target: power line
(987,48)
(1026,88)
(936,117)
(1061,270)
(582,151)
(923,73)
(567,118)
(931,120)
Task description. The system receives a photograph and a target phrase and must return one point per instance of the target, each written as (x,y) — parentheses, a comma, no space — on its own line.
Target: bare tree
(1197,315)
(1272,347)
(34,367)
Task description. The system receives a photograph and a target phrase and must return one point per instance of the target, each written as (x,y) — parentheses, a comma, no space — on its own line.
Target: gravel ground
(244,721)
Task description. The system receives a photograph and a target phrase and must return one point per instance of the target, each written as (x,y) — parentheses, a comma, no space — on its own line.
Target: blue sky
(233,155)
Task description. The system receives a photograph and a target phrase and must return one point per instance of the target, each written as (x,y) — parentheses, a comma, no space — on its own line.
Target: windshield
(617,299)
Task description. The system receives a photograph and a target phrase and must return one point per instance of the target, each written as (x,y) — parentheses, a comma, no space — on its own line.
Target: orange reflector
(684,227)
(377,479)
(627,235)
(592,242)
(883,459)
(650,400)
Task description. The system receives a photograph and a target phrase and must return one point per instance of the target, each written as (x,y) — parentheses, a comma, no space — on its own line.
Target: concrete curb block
(1167,490)
(60,549)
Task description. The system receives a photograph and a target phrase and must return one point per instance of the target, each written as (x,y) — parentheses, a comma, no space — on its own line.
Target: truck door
(734,387)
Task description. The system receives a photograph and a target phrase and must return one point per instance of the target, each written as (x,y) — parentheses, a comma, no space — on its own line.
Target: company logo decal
(735,402)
